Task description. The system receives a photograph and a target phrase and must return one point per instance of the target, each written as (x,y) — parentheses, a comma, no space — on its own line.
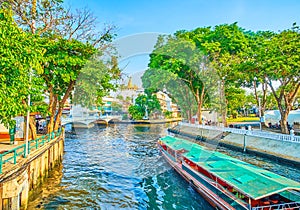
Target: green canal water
(120,167)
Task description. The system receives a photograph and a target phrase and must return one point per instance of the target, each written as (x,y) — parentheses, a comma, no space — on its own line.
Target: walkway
(10,154)
(270,144)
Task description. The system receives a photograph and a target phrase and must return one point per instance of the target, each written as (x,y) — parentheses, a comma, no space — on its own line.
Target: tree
(252,66)
(168,114)
(271,103)
(161,80)
(70,40)
(236,98)
(224,46)
(136,112)
(180,56)
(201,58)
(38,16)
(95,81)
(144,103)
(282,65)
(64,61)
(20,52)
(149,102)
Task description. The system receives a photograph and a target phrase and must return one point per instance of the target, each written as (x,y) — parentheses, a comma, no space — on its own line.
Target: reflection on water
(119,167)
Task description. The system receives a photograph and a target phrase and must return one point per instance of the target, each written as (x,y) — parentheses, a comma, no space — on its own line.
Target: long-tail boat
(226,182)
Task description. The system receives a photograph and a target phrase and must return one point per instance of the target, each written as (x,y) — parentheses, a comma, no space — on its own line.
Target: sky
(139,22)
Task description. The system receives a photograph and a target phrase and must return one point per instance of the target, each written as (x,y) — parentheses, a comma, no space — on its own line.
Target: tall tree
(236,98)
(38,16)
(282,65)
(180,56)
(19,52)
(224,46)
(64,61)
(252,66)
(202,57)
(66,55)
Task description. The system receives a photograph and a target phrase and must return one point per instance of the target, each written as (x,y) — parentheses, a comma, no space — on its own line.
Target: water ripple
(119,167)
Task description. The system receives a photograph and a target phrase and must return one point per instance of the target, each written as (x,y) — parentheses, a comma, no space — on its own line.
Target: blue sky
(154,17)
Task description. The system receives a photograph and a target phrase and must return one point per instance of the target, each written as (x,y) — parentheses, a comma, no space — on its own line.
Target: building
(127,94)
(167,104)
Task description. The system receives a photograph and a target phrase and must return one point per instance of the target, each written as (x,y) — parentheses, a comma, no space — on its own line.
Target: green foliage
(20,55)
(136,112)
(70,41)
(199,58)
(168,114)
(234,114)
(143,102)
(180,56)
(149,102)
(64,60)
(236,99)
(95,81)
(158,79)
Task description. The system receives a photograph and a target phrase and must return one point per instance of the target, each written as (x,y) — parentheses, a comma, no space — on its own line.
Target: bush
(168,114)
(234,114)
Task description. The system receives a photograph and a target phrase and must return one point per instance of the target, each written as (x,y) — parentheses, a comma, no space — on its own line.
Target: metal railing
(293,205)
(11,156)
(261,134)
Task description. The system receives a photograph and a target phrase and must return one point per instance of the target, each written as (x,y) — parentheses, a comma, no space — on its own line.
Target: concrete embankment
(18,181)
(282,151)
(158,121)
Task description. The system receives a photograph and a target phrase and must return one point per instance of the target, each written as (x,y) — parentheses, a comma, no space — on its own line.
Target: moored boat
(226,182)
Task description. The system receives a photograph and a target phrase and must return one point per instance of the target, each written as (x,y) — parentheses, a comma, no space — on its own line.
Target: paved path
(5,145)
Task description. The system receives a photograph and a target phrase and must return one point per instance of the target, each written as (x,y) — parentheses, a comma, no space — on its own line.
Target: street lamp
(28,117)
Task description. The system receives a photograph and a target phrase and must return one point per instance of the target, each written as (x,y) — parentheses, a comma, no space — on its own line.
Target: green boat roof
(250,180)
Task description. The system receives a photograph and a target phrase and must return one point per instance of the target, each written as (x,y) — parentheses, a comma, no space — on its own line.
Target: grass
(243,119)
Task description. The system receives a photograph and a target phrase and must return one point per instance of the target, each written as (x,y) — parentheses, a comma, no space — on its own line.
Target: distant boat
(226,182)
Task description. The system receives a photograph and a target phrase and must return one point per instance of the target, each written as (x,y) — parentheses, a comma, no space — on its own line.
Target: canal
(119,167)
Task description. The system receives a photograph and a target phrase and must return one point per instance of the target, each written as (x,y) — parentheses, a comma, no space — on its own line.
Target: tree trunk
(289,99)
(61,105)
(58,118)
(33,129)
(52,110)
(199,112)
(224,114)
(283,122)
(264,98)
(190,115)
(223,103)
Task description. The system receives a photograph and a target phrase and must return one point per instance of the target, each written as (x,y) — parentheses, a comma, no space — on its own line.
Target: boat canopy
(250,180)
